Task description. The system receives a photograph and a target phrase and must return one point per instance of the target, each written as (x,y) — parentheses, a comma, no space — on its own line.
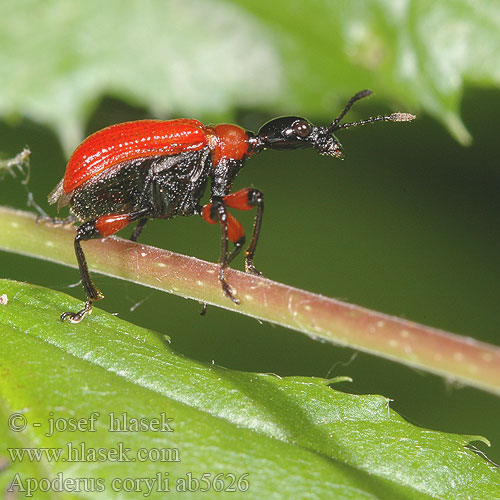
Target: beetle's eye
(302,128)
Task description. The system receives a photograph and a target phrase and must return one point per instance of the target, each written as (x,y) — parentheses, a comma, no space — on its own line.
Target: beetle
(154,169)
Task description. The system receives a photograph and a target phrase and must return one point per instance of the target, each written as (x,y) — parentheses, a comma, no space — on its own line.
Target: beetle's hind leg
(101,227)
(86,231)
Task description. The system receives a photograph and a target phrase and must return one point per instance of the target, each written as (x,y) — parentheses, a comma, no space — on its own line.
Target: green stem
(452,356)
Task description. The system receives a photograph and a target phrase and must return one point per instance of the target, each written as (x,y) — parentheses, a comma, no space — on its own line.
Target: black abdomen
(163,187)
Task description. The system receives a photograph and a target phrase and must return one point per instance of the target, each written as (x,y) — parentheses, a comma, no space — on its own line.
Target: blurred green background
(407,224)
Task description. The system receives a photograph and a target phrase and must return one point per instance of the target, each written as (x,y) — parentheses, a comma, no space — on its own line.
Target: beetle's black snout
(327,144)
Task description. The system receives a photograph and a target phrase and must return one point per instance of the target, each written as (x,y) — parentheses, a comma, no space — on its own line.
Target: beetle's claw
(228,291)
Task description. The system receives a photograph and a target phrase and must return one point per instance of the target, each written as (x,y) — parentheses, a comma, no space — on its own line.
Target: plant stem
(455,357)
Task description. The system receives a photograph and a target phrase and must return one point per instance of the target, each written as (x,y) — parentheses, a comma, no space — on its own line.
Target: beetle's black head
(293,132)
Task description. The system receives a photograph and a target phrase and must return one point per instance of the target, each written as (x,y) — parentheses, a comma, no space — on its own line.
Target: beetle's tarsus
(251,269)
(228,292)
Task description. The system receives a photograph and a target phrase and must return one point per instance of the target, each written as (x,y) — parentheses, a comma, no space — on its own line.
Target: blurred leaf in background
(207,57)
(192,57)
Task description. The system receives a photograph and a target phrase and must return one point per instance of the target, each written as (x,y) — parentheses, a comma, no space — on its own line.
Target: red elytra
(136,171)
(131,140)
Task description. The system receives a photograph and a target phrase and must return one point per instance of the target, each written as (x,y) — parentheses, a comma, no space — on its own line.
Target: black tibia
(255,198)
(218,213)
(85,232)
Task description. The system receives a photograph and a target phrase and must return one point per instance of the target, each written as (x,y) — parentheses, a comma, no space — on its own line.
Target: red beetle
(148,169)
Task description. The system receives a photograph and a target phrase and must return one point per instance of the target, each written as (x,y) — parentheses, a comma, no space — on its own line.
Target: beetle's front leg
(213,213)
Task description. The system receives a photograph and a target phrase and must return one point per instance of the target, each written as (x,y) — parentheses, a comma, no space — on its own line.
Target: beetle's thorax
(227,141)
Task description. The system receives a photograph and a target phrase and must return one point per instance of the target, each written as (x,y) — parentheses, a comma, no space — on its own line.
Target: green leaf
(294,437)
(208,58)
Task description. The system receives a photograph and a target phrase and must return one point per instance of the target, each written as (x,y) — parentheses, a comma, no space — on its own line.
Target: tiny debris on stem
(19,163)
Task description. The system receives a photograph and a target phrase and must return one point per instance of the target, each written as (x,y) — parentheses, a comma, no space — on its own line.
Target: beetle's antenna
(394,117)
(360,95)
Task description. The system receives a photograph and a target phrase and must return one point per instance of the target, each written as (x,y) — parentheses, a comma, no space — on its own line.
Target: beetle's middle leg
(231,229)
(246,199)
